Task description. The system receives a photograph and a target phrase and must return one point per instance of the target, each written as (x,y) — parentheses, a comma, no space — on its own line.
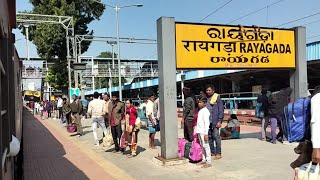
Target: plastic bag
(108,140)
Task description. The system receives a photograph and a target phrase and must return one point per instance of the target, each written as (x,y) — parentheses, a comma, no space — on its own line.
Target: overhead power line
(216,10)
(256,11)
(313,37)
(298,19)
(311,22)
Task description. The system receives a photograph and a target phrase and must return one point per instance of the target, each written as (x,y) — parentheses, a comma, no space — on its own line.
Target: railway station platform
(52,153)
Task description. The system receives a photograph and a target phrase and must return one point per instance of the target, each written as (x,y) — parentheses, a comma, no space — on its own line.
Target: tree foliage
(50,39)
(104,82)
(57,80)
(107,54)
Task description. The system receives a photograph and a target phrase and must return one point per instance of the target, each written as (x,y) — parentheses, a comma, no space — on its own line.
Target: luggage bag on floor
(296,123)
(181,146)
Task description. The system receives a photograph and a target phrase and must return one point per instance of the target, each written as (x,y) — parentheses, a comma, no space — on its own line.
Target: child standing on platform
(202,130)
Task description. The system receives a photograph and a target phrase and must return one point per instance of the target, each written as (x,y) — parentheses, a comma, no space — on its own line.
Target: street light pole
(92,72)
(117,8)
(112,46)
(110,81)
(27,41)
(119,63)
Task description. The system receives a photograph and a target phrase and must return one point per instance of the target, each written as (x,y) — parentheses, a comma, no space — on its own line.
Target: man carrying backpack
(262,111)
(276,103)
(315,124)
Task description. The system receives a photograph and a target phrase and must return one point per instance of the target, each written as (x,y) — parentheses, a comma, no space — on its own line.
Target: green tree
(57,80)
(107,54)
(50,39)
(104,81)
(115,81)
(101,82)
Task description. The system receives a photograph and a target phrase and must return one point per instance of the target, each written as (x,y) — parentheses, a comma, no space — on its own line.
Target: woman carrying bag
(132,128)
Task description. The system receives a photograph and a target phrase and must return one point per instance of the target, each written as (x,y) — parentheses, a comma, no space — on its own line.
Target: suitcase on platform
(297,116)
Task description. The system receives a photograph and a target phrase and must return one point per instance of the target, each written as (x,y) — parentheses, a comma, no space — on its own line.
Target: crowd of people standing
(108,113)
(202,119)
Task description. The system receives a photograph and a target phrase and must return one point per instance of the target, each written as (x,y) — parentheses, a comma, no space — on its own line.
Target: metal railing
(130,72)
(34,74)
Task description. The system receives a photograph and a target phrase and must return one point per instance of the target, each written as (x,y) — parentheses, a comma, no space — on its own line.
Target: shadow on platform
(44,154)
(255,135)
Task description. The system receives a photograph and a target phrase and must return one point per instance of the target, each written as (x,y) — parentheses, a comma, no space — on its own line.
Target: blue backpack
(297,117)
(259,113)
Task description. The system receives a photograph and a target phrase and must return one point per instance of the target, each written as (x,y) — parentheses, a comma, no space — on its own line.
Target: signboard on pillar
(205,46)
(73,91)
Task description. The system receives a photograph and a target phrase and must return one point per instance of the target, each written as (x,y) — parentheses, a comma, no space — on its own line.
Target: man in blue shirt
(216,109)
(84,103)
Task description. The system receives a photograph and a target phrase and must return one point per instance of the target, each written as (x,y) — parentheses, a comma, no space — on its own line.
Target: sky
(141,22)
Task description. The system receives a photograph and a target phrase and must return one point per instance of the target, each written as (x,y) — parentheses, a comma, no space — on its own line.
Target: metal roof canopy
(80,38)
(65,21)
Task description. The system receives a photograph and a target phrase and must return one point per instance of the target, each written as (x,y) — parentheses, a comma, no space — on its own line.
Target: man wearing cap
(76,109)
(188,113)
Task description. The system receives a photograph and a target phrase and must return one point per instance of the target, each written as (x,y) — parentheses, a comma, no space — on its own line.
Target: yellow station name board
(201,46)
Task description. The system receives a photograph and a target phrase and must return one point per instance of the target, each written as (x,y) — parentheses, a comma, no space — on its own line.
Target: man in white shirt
(108,107)
(151,121)
(59,106)
(143,106)
(315,124)
(157,108)
(97,110)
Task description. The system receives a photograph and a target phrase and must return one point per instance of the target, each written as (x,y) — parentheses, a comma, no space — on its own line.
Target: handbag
(71,128)
(307,172)
(130,129)
(137,124)
(108,140)
(123,141)
(157,126)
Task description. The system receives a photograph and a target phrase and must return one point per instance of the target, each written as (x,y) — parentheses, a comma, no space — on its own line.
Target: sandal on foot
(217,157)
(201,163)
(131,155)
(117,152)
(206,166)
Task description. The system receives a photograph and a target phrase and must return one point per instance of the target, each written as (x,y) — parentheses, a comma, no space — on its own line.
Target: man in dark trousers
(216,109)
(276,103)
(76,109)
(188,113)
(117,114)
(263,100)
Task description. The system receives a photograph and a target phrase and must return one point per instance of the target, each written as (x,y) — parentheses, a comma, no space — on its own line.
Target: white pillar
(167,87)
(299,76)
(182,86)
